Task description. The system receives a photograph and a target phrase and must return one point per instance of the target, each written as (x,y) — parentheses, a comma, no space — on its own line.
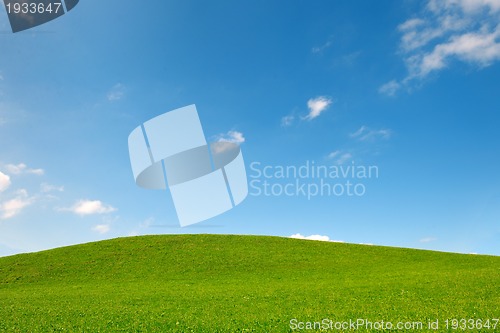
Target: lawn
(221,283)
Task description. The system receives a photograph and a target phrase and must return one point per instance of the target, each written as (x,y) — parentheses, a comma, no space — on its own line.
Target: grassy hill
(217,283)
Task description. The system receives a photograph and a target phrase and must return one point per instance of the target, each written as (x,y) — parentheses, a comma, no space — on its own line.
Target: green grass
(216,283)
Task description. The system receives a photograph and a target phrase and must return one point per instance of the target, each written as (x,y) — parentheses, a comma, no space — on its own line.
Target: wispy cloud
(143,225)
(287,120)
(4,181)
(46,188)
(342,159)
(316,238)
(317,106)
(321,48)
(390,88)
(427,239)
(13,207)
(21,168)
(364,133)
(101,228)
(333,154)
(89,207)
(116,93)
(339,157)
(445,31)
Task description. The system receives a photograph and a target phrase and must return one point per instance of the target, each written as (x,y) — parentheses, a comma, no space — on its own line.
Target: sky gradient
(410,87)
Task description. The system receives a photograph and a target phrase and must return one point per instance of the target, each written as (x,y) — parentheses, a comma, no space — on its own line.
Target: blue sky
(408,86)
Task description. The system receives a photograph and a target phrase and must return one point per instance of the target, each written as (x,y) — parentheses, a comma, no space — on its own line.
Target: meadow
(225,283)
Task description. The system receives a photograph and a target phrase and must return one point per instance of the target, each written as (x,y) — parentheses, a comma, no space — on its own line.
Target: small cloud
(231,136)
(390,88)
(317,106)
(147,222)
(319,49)
(13,207)
(116,93)
(411,24)
(316,238)
(101,228)
(427,240)
(46,188)
(339,157)
(344,158)
(364,133)
(38,172)
(350,58)
(22,193)
(89,207)
(333,154)
(21,168)
(4,181)
(287,120)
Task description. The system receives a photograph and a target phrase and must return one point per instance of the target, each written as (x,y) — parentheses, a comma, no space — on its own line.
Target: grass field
(216,283)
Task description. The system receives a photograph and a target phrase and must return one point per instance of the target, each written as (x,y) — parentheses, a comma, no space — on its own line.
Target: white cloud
(287,120)
(317,106)
(46,188)
(364,133)
(411,24)
(4,181)
(480,48)
(89,207)
(448,31)
(17,169)
(101,228)
(116,93)
(13,207)
(315,237)
(339,157)
(231,136)
(22,193)
(418,33)
(390,88)
(319,49)
(344,158)
(38,172)
(427,240)
(333,154)
(468,6)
